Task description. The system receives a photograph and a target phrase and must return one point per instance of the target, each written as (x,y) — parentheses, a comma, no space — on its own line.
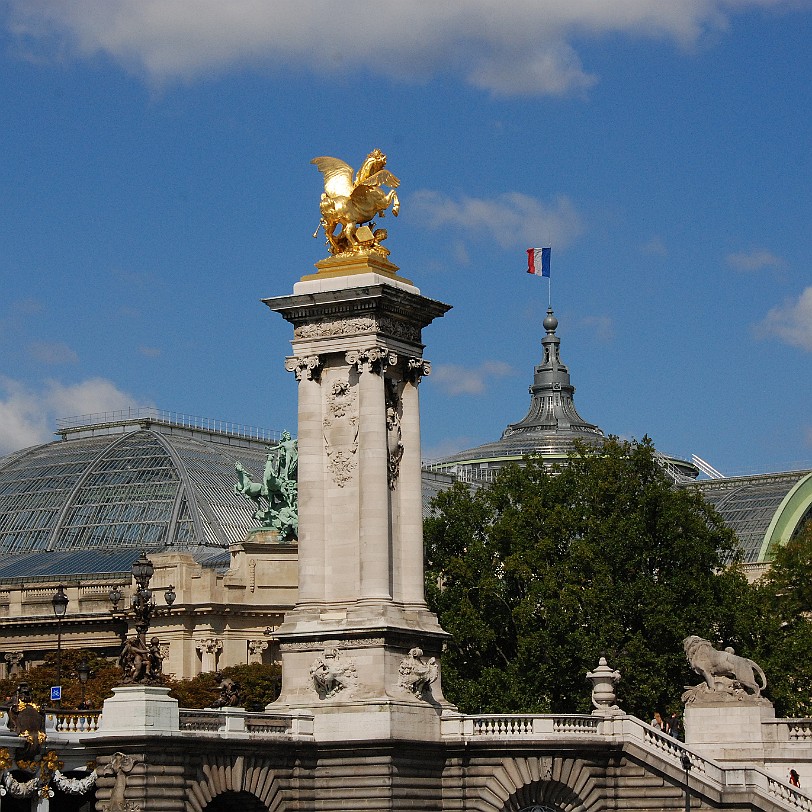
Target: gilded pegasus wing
(337,176)
(383,177)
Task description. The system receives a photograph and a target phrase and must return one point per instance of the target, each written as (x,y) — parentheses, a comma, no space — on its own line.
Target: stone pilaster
(311,479)
(410,490)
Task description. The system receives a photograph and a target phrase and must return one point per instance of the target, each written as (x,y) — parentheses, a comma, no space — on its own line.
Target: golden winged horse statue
(352,203)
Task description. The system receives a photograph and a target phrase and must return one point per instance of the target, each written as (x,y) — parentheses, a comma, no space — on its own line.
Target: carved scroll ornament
(377,359)
(416,368)
(307,366)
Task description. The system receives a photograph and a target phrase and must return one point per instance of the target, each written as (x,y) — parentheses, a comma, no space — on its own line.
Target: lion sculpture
(723,670)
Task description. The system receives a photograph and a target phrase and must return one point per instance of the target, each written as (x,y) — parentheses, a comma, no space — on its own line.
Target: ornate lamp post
(686,765)
(60,604)
(140,661)
(84,672)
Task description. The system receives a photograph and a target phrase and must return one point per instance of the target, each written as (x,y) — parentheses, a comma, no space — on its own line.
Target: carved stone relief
(416,675)
(355,326)
(120,766)
(332,674)
(394,413)
(340,427)
(365,642)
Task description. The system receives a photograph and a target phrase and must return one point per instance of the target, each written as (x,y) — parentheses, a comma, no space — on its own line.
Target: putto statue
(416,676)
(353,203)
(726,675)
(277,496)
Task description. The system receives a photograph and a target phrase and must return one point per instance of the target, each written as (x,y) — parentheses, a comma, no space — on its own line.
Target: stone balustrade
(239,723)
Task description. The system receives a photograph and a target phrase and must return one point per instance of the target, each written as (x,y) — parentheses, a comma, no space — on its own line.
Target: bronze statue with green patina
(277,497)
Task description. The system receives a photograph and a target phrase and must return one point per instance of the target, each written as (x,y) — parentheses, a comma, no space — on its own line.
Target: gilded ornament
(352,203)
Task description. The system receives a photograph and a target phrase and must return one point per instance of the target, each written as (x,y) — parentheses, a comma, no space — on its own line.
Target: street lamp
(139,661)
(686,765)
(84,672)
(60,603)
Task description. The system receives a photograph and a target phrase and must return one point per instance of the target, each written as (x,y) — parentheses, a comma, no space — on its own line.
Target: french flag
(538,261)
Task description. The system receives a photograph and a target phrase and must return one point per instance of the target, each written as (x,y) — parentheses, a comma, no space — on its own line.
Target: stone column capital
(308,366)
(374,359)
(416,368)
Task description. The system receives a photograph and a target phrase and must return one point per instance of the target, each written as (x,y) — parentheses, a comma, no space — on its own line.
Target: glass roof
(139,486)
(749,504)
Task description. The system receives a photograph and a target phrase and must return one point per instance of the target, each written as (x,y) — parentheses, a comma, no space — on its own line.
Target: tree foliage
(540,573)
(103,676)
(782,626)
(259,685)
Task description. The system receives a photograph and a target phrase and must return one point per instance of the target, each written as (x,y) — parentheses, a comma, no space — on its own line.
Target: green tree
(539,574)
(782,628)
(104,675)
(259,685)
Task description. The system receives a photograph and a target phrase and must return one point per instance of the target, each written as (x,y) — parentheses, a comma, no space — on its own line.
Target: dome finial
(550,322)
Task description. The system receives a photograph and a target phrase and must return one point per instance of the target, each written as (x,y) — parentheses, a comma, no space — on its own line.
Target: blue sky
(156,184)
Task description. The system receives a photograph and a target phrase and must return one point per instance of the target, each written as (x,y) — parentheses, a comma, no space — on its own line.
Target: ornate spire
(552,412)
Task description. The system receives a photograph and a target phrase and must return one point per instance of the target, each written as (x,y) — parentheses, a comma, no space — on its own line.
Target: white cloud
(603,326)
(754,260)
(150,352)
(53,353)
(513,219)
(458,380)
(521,48)
(792,322)
(28,416)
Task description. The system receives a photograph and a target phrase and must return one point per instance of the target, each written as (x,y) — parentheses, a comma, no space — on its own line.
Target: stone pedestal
(139,710)
(357,357)
(729,730)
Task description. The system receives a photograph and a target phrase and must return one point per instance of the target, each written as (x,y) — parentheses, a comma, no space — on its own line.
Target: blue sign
(56,693)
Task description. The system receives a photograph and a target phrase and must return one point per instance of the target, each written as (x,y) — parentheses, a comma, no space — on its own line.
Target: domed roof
(550,428)
(125,482)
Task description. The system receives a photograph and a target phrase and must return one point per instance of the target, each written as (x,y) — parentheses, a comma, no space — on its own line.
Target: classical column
(409,488)
(375,522)
(310,477)
(209,650)
(255,649)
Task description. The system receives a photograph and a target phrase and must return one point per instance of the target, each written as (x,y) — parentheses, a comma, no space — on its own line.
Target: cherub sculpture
(353,203)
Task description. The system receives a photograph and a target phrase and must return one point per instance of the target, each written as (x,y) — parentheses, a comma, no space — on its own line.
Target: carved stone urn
(603,680)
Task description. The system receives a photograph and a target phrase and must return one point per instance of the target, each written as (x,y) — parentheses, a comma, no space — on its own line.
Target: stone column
(311,479)
(374,541)
(409,489)
(255,649)
(209,650)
